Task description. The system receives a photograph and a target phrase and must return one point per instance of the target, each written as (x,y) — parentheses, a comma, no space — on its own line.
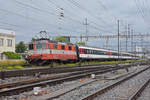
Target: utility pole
(86,28)
(107,40)
(118,40)
(132,40)
(80,37)
(127,36)
(126,32)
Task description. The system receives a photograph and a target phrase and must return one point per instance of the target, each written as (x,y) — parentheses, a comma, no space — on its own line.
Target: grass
(18,64)
(12,64)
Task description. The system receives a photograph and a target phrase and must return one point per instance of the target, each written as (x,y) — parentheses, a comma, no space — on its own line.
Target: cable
(140,11)
(88,12)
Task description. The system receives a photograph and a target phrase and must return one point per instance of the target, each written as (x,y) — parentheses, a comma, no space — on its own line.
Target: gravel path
(126,89)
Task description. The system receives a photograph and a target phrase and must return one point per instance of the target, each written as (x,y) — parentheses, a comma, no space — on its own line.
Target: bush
(12,55)
(1,68)
(18,67)
(12,62)
(9,68)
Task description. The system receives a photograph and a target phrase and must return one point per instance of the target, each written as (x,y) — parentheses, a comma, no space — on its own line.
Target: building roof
(7,35)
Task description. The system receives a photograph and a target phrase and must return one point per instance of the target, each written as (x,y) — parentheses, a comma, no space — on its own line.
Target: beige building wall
(7,43)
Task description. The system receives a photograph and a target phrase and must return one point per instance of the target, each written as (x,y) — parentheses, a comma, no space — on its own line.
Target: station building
(7,43)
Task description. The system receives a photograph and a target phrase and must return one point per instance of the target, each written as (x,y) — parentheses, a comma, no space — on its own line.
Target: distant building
(7,43)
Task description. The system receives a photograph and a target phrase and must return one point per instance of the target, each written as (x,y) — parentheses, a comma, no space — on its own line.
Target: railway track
(111,93)
(79,90)
(138,94)
(27,87)
(34,80)
(28,72)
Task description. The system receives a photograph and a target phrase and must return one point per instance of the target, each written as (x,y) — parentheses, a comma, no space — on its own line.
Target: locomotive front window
(39,45)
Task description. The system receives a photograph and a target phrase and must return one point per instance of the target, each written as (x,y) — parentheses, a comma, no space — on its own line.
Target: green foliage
(12,55)
(33,39)
(9,68)
(12,63)
(61,39)
(1,68)
(20,47)
(81,43)
(18,67)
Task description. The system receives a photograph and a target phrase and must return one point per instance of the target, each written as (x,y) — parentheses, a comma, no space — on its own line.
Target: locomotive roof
(51,41)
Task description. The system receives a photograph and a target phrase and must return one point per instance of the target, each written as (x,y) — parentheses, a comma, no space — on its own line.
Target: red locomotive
(44,50)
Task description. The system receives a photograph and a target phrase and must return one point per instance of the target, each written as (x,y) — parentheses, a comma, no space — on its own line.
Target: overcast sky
(29,17)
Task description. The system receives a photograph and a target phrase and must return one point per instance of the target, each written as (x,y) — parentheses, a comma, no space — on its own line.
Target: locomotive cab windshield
(30,46)
(42,44)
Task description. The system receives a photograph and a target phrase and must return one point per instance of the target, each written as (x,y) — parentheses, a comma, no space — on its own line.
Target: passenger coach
(92,53)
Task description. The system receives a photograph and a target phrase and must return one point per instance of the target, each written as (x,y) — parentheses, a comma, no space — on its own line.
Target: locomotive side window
(30,46)
(55,46)
(63,47)
(70,48)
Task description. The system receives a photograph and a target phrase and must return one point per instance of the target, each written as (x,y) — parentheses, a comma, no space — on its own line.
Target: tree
(20,47)
(80,43)
(61,39)
(33,39)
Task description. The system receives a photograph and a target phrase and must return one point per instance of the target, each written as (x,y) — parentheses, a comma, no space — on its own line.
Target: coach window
(90,51)
(70,48)
(115,54)
(54,46)
(63,47)
(85,51)
(105,53)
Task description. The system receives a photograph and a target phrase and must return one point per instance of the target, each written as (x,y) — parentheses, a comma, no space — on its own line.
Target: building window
(9,42)
(1,41)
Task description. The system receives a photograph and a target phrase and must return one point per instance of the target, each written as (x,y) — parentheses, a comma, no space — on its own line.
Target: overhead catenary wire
(94,27)
(140,12)
(88,12)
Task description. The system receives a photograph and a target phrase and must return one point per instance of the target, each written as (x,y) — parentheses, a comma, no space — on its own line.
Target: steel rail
(28,87)
(139,91)
(34,80)
(104,89)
